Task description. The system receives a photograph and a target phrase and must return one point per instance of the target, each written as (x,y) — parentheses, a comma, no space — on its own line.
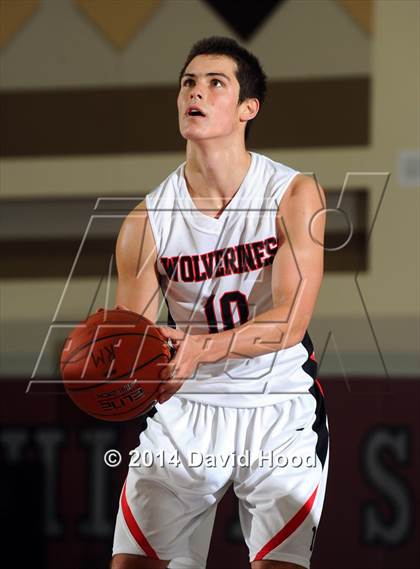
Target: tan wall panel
(13,17)
(361,11)
(304,38)
(118,21)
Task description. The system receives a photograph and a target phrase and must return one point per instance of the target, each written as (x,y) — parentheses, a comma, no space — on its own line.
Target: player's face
(208,98)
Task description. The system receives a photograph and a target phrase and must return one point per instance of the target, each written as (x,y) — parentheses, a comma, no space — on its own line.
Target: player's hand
(189,353)
(117,307)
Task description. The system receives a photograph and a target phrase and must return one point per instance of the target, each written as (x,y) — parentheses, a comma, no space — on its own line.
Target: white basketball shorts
(276,456)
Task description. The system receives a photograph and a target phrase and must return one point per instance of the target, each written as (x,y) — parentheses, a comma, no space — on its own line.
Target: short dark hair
(251,77)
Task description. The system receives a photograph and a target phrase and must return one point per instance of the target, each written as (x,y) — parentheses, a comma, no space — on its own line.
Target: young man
(235,241)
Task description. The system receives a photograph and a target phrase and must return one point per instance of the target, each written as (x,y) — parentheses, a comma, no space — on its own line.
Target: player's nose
(196,93)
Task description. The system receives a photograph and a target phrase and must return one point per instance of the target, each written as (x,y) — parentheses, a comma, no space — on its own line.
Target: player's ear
(249,109)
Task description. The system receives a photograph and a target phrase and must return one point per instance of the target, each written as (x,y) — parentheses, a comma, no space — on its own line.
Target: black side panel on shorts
(310,366)
(320,423)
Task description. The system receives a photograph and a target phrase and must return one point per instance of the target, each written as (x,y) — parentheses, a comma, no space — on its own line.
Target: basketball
(110,364)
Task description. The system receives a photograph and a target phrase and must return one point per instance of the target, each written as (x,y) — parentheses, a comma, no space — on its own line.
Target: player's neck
(215,171)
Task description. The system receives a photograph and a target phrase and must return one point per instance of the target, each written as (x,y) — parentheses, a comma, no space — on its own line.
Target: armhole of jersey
(278,195)
(155,232)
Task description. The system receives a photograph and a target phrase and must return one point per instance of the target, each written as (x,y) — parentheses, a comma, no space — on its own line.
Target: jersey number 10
(226,301)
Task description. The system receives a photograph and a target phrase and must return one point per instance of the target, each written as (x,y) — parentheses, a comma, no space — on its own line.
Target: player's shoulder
(135,230)
(273,166)
(132,227)
(276,177)
(290,186)
(303,192)
(304,185)
(136,215)
(274,172)
(297,182)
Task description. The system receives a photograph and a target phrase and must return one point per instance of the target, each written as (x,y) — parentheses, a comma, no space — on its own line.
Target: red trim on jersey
(312,356)
(135,528)
(288,529)
(320,387)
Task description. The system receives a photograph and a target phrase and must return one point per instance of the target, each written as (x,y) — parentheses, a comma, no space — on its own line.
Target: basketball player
(235,242)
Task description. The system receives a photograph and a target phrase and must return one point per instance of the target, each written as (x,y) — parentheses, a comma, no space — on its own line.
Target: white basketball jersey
(215,274)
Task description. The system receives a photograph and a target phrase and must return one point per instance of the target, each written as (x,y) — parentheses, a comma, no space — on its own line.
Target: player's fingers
(168,389)
(121,307)
(168,370)
(171,333)
(169,386)
(163,398)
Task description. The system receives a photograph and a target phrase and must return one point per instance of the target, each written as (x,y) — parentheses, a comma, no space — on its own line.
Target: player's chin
(202,137)
(193,130)
(194,133)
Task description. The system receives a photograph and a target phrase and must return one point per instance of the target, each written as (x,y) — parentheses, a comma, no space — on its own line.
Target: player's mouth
(194,112)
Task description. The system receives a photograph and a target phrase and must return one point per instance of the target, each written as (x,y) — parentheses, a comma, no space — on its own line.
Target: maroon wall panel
(58,492)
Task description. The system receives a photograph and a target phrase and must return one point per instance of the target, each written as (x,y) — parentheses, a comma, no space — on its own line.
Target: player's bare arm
(138,284)
(300,262)
(296,277)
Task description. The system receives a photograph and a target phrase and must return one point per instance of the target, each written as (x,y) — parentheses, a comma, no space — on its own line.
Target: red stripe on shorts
(134,527)
(320,387)
(288,529)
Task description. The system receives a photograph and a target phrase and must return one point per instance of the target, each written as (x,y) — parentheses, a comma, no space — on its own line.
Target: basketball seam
(80,348)
(95,385)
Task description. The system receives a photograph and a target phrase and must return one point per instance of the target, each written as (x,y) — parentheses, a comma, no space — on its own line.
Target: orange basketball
(110,364)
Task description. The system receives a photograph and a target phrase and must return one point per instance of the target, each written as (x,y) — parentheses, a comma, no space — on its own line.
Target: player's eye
(187,82)
(217,83)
